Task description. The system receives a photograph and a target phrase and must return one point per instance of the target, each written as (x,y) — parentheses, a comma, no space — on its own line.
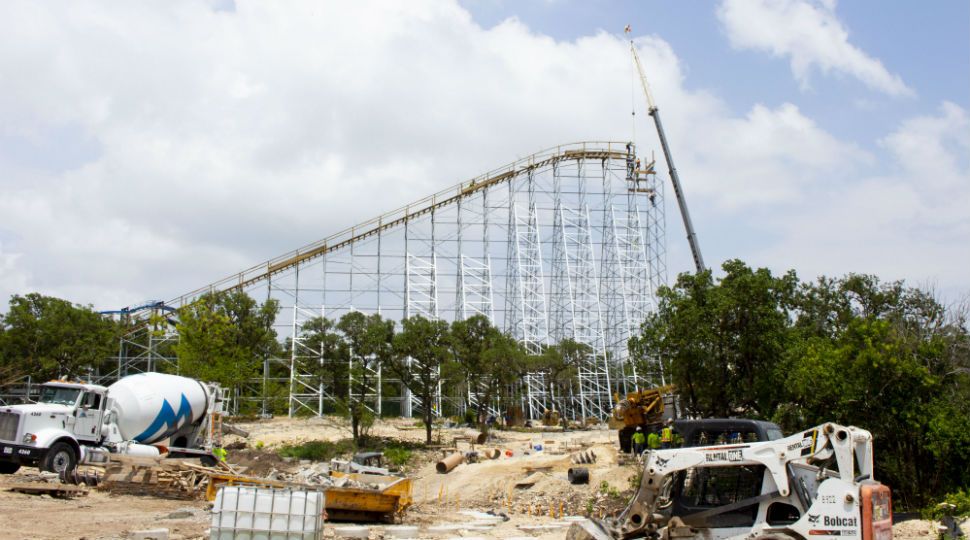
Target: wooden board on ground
(54,490)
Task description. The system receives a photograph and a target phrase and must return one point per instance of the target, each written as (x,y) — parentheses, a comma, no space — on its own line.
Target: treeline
(229,338)
(882,356)
(226,337)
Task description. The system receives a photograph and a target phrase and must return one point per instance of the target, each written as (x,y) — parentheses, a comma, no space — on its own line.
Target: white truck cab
(51,432)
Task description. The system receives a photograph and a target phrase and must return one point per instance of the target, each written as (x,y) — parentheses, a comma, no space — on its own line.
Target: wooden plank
(48,489)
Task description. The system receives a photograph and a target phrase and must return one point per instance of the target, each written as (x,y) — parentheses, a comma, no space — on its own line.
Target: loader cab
(724,431)
(702,489)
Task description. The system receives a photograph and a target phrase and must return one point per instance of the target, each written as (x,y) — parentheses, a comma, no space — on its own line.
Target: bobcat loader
(814,485)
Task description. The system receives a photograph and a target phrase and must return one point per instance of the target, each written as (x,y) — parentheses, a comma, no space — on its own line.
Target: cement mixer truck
(148,414)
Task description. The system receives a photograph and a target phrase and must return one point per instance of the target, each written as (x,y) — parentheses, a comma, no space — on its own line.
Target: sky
(150,148)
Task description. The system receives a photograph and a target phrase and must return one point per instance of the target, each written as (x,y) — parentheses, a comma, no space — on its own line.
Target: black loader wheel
(61,457)
(8,467)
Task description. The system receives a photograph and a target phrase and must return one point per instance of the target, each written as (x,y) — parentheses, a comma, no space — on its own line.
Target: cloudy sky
(149,148)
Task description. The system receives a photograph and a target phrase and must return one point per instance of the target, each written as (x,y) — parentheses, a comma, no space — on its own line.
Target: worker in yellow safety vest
(653,440)
(639,441)
(666,436)
(220,454)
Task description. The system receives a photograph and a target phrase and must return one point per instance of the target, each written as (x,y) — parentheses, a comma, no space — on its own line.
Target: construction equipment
(814,484)
(148,414)
(645,409)
(695,248)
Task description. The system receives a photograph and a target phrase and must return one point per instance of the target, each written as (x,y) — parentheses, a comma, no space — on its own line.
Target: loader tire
(8,467)
(61,457)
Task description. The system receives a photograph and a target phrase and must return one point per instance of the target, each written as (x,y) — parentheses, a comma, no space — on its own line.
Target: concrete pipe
(578,475)
(449,463)
(491,453)
(475,436)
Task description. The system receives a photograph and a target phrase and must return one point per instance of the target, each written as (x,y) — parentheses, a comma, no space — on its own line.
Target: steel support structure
(565,243)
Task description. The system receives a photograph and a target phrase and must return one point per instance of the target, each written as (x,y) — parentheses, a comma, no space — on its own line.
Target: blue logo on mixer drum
(168,419)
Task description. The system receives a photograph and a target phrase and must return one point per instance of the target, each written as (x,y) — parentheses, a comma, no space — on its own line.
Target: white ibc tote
(251,513)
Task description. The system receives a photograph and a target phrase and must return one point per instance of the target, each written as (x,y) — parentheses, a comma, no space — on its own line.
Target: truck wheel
(7,467)
(61,457)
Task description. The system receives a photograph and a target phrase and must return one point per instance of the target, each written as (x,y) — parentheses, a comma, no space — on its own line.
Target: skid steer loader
(814,485)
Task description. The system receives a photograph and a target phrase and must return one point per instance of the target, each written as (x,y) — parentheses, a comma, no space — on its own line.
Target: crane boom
(695,248)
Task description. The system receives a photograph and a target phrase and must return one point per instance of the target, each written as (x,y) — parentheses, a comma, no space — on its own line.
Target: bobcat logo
(661,463)
(813,519)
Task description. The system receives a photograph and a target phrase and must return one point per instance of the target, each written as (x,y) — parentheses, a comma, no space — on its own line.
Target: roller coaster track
(400,216)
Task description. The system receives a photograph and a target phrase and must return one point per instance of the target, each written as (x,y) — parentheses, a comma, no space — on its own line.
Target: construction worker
(639,441)
(666,436)
(653,440)
(220,454)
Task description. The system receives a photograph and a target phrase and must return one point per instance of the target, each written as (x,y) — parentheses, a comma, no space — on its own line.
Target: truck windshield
(58,395)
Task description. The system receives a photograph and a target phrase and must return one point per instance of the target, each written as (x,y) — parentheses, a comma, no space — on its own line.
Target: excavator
(816,484)
(646,409)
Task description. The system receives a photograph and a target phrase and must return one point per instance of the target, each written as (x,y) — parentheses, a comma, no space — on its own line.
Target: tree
(225,336)
(324,354)
(368,342)
(485,359)
(722,341)
(890,359)
(560,363)
(47,338)
(422,351)
(850,350)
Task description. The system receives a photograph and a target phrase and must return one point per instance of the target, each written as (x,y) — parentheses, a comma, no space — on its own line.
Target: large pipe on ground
(491,453)
(449,463)
(578,475)
(475,436)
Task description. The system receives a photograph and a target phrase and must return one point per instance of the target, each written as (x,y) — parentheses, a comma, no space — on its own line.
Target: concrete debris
(319,475)
(149,534)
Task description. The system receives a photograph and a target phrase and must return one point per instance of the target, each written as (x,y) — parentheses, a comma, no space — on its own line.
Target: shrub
(318,450)
(955,504)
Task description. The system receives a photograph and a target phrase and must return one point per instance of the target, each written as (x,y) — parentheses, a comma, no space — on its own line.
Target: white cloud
(910,224)
(205,141)
(13,278)
(810,34)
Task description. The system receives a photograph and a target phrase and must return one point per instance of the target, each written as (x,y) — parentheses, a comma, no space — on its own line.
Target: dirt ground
(525,495)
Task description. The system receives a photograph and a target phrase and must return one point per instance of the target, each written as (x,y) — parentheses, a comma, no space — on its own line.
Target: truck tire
(8,467)
(61,457)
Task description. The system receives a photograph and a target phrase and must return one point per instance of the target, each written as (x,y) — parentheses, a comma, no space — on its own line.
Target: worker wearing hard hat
(667,435)
(639,441)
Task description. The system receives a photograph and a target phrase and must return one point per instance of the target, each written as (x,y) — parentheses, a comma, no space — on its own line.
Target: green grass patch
(318,450)
(398,456)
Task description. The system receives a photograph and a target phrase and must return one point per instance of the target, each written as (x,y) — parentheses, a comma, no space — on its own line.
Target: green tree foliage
(47,337)
(422,352)
(560,363)
(486,360)
(721,342)
(323,354)
(884,357)
(225,336)
(890,359)
(367,340)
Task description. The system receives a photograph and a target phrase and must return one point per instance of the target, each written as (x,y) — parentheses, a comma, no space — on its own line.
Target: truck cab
(51,432)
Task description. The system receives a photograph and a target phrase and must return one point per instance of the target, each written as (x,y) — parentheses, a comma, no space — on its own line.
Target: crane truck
(816,484)
(148,414)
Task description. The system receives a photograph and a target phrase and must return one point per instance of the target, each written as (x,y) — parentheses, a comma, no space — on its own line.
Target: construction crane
(695,248)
